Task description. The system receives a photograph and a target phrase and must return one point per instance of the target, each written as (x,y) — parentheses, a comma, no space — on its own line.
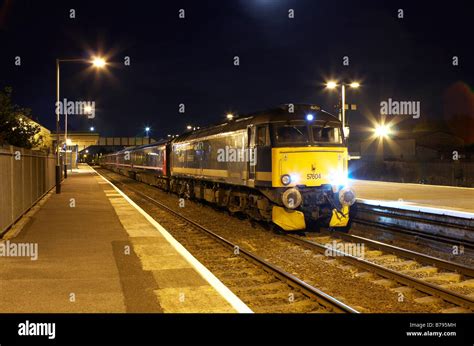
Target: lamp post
(97,62)
(147,132)
(333,85)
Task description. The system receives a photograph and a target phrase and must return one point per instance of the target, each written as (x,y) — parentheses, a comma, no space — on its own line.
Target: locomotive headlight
(285,179)
(347,196)
(295,178)
(338,178)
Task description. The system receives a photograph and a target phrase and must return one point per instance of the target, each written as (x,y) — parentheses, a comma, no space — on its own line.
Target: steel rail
(441,228)
(419,257)
(323,298)
(420,285)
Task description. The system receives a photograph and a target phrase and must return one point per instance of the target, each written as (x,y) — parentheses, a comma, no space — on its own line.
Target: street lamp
(383,131)
(92,128)
(333,85)
(97,62)
(88,109)
(147,132)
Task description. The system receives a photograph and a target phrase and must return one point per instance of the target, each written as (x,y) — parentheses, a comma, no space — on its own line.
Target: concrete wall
(25,175)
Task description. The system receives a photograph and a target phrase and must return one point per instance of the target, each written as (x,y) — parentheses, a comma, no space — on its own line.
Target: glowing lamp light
(92,128)
(98,62)
(295,178)
(309,117)
(338,178)
(331,85)
(382,131)
(355,85)
(230,116)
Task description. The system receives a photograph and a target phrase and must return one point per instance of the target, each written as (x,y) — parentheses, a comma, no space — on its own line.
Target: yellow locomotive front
(309,161)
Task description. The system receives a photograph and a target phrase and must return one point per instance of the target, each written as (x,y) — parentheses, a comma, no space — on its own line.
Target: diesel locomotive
(287,165)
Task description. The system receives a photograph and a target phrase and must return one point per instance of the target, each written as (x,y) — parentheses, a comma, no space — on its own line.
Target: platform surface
(456,201)
(98,252)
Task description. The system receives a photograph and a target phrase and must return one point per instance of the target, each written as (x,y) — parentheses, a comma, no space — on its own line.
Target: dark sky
(190,60)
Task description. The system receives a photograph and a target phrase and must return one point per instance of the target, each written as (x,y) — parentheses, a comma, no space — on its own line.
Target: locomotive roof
(272,115)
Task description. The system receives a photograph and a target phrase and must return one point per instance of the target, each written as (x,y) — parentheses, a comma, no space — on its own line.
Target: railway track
(436,227)
(449,301)
(433,276)
(261,285)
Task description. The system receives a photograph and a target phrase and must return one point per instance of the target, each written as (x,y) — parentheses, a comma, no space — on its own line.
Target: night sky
(282,60)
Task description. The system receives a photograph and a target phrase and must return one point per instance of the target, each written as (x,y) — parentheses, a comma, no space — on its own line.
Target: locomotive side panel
(220,158)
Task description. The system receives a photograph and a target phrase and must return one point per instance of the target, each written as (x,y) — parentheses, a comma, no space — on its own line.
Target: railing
(25,177)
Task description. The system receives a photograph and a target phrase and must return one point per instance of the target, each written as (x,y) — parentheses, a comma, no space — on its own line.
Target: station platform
(97,251)
(447,200)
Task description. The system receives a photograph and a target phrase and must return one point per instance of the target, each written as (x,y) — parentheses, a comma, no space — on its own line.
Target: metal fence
(25,176)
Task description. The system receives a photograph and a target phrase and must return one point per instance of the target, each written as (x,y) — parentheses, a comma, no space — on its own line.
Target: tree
(15,127)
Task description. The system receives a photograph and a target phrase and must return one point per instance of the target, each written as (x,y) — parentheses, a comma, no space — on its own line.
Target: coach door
(251,147)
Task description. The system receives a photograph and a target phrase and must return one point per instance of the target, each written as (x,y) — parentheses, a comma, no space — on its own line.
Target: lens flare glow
(98,62)
(338,178)
(382,131)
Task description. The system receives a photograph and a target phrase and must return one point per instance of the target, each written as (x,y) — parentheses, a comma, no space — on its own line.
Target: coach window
(261,135)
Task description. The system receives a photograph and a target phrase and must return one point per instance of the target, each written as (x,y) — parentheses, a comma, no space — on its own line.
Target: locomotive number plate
(310,176)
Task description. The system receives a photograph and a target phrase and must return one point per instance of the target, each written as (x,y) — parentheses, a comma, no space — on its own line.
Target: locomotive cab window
(326,134)
(291,133)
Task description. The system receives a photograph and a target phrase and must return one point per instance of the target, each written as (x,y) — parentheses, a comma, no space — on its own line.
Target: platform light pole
(334,85)
(97,62)
(147,133)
